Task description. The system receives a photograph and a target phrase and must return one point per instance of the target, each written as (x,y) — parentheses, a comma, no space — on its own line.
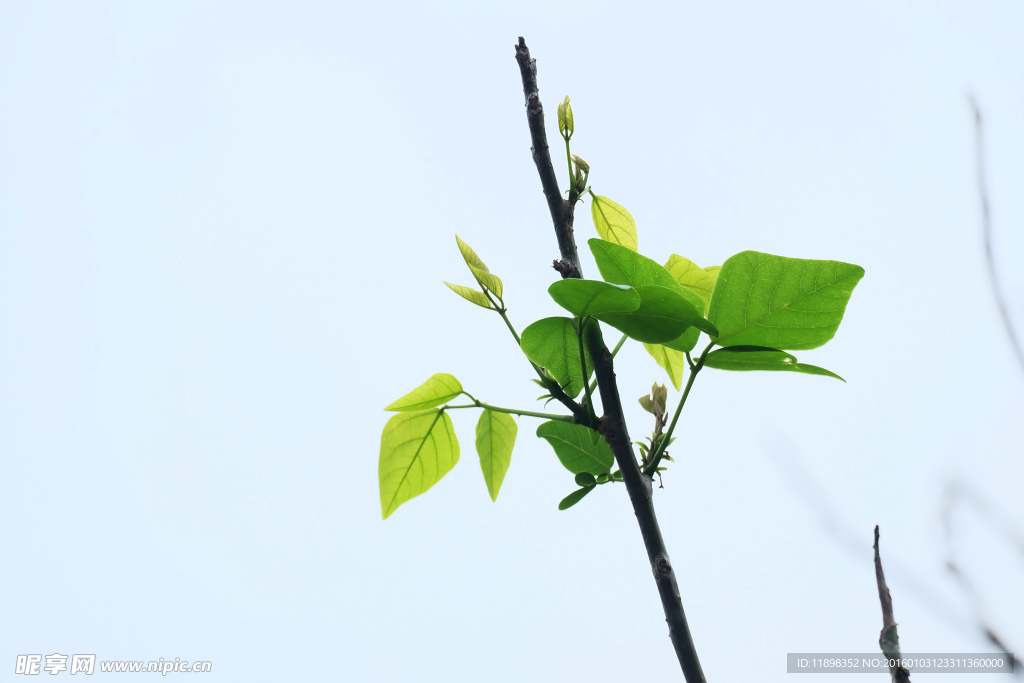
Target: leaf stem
(581,322)
(656,456)
(510,411)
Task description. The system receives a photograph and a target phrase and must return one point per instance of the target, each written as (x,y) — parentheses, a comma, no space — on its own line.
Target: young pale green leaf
(565,123)
(552,344)
(579,448)
(671,361)
(495,438)
(479,269)
(743,358)
(613,223)
(470,294)
(437,390)
(416,451)
(692,277)
(592,297)
(574,497)
(779,302)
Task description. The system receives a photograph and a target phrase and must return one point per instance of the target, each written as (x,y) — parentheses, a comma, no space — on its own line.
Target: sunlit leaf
(479,269)
(495,438)
(663,315)
(574,497)
(416,451)
(779,302)
(552,344)
(470,294)
(437,390)
(613,223)
(593,297)
(744,358)
(692,277)
(672,361)
(579,448)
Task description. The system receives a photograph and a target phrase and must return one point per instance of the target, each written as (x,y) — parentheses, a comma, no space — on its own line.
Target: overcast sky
(223,233)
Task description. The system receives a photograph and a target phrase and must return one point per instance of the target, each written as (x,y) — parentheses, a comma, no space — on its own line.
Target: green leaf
(663,315)
(613,223)
(479,269)
(779,302)
(416,451)
(574,497)
(692,277)
(585,479)
(624,267)
(565,122)
(686,341)
(437,390)
(552,344)
(495,438)
(470,294)
(744,358)
(579,448)
(671,361)
(592,297)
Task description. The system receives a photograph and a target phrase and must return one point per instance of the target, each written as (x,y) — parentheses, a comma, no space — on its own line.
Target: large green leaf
(416,450)
(613,223)
(779,302)
(745,358)
(692,277)
(671,360)
(437,390)
(552,344)
(663,315)
(592,297)
(495,438)
(479,269)
(470,294)
(624,267)
(579,448)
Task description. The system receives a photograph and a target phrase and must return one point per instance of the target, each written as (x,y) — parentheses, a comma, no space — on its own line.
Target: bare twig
(889,639)
(986,228)
(613,424)
(957,491)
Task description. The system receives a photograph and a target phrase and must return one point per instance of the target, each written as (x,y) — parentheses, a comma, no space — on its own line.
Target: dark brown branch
(986,229)
(561,210)
(889,639)
(613,424)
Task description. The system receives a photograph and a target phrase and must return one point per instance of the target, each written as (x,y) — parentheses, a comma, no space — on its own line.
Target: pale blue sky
(223,231)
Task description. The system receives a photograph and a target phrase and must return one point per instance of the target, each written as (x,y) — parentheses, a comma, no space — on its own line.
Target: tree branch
(889,639)
(986,231)
(561,210)
(613,424)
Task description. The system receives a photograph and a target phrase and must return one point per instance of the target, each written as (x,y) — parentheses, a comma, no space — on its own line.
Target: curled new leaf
(613,223)
(565,122)
(416,451)
(495,438)
(437,390)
